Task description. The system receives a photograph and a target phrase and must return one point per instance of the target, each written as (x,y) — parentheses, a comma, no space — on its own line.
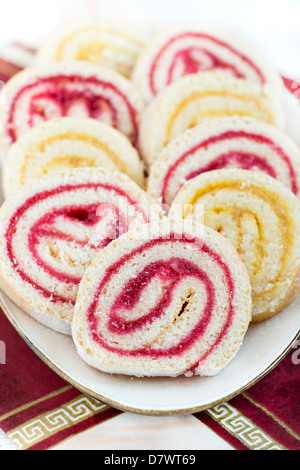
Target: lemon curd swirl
(260,224)
(254,109)
(69,161)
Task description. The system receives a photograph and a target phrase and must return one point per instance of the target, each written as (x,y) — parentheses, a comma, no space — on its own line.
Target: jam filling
(171,272)
(192,66)
(89,215)
(245,160)
(62,101)
(189,63)
(60,95)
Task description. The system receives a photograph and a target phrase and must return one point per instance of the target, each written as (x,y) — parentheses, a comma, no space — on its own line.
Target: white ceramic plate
(264,346)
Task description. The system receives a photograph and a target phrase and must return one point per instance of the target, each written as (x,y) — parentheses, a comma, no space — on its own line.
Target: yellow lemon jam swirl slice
(69,143)
(260,217)
(102,45)
(195,98)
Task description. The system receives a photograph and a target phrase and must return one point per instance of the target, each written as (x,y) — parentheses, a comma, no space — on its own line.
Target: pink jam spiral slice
(74,89)
(238,143)
(165,299)
(185,49)
(53,230)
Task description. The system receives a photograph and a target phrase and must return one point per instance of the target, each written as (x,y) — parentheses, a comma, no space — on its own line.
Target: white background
(273,26)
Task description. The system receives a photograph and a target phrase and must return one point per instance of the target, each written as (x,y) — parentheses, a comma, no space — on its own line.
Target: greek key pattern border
(48,424)
(243,428)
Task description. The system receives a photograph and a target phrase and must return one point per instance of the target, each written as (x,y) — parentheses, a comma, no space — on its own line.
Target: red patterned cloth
(264,417)
(29,389)
(268,412)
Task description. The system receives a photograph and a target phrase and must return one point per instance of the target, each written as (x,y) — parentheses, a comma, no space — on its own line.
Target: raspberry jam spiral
(54,230)
(188,49)
(225,143)
(260,217)
(74,89)
(167,305)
